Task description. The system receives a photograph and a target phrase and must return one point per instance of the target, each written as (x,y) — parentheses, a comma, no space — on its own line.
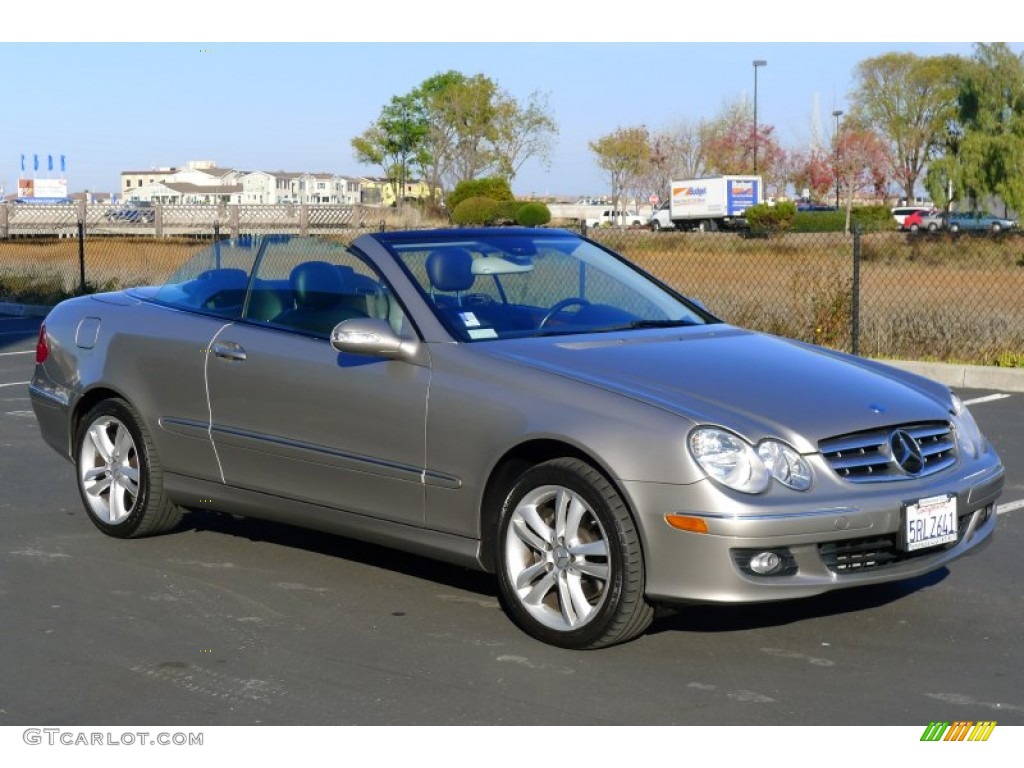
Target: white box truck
(710,204)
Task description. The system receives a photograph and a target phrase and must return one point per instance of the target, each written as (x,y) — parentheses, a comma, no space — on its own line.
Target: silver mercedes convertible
(521,401)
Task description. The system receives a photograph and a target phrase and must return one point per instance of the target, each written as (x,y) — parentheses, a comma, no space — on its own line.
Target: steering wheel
(562,306)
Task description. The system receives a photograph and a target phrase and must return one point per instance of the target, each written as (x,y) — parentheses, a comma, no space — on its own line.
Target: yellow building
(380,191)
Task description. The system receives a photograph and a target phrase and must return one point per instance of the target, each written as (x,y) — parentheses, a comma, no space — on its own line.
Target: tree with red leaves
(863,164)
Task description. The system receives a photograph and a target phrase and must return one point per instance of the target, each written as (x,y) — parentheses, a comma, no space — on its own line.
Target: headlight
(730,460)
(785,464)
(972,442)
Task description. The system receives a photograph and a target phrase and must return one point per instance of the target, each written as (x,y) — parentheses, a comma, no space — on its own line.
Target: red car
(922,220)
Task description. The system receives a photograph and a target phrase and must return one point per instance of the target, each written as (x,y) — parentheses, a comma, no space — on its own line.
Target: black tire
(596,561)
(655,226)
(123,495)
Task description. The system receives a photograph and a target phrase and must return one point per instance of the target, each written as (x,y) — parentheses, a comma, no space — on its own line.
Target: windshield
(496,285)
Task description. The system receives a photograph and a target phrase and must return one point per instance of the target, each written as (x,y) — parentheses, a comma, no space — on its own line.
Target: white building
(203,181)
(184,193)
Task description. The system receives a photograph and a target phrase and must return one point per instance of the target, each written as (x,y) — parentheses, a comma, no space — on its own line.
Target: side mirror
(370,336)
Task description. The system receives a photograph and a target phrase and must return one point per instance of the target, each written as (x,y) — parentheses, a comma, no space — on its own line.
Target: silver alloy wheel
(108,467)
(557,558)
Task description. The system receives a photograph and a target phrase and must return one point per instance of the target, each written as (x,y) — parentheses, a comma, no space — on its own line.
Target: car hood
(755,384)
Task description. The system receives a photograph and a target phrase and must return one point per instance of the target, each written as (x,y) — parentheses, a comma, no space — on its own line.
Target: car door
(165,353)
(292,417)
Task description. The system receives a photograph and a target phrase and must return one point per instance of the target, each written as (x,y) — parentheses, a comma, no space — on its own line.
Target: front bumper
(839,536)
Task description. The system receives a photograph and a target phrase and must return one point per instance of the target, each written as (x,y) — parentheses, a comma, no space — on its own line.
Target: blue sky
(115,105)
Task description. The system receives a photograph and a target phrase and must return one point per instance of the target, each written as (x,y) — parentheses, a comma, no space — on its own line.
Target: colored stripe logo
(961,730)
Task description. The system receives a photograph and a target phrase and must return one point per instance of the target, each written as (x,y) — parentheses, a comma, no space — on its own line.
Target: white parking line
(26,352)
(986,399)
(15,384)
(1012,506)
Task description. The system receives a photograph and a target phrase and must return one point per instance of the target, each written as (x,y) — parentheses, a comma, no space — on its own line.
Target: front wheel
(119,477)
(570,564)
(954,228)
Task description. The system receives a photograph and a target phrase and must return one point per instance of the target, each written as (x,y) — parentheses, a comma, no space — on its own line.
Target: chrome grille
(867,457)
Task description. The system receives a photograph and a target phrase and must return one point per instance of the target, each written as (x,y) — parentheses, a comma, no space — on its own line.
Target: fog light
(765,563)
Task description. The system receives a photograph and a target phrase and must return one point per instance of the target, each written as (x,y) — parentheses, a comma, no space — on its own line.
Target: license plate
(929,522)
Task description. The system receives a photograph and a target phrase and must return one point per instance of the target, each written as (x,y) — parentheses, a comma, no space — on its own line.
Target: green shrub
(771,218)
(505,213)
(819,221)
(493,187)
(873,218)
(475,210)
(533,215)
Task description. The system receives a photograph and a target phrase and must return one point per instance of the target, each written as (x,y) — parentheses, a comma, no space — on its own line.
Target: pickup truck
(615,218)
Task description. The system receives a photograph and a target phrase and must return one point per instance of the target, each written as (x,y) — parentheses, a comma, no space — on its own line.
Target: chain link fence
(921,296)
(892,295)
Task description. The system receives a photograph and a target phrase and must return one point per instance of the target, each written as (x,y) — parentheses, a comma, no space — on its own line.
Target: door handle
(228,350)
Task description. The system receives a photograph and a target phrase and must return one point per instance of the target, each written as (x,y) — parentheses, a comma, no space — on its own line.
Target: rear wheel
(996,228)
(119,476)
(570,565)
(655,226)
(954,227)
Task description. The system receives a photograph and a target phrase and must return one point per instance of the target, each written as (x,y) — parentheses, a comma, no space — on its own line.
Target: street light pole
(837,114)
(757,63)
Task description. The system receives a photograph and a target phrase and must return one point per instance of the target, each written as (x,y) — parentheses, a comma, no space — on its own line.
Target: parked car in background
(927,221)
(808,206)
(135,212)
(900,213)
(977,221)
(616,218)
(599,442)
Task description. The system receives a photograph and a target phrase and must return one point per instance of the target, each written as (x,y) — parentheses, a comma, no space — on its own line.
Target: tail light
(42,348)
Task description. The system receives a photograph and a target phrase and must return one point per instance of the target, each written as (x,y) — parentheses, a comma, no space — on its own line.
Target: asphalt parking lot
(233,622)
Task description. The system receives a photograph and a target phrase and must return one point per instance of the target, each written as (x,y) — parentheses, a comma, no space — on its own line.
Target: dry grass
(935,298)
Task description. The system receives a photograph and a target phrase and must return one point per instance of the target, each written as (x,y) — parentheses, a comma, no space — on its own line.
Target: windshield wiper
(636,324)
(630,326)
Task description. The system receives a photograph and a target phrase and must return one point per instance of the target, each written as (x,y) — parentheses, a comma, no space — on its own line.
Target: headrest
(450,269)
(213,280)
(316,284)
